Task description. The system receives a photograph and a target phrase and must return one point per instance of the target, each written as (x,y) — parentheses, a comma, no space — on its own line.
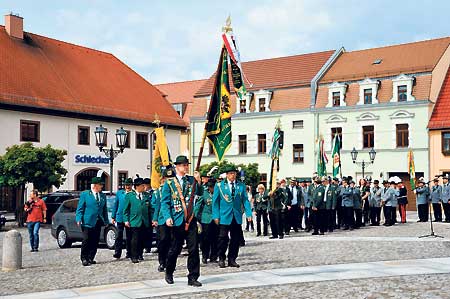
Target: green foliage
(25,163)
(251,173)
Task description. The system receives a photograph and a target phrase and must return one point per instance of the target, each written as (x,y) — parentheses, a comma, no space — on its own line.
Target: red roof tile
(180,92)
(47,73)
(440,118)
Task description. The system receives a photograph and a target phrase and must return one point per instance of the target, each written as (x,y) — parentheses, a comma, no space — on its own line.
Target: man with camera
(36,214)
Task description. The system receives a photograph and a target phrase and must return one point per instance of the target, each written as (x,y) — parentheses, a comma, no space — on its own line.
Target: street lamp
(121,137)
(372,154)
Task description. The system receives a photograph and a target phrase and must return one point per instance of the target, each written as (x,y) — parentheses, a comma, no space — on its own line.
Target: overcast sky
(168,41)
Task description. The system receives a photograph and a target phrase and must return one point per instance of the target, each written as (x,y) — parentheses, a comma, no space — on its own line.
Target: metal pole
(111,166)
(363,167)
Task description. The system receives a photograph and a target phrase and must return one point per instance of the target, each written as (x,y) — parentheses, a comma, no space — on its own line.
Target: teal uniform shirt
(436,194)
(226,207)
(117,211)
(89,210)
(156,203)
(137,211)
(171,206)
(347,197)
(203,207)
(423,194)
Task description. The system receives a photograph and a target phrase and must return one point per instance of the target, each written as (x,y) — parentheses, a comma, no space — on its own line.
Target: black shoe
(345,228)
(258,234)
(32,250)
(296,230)
(213,260)
(315,234)
(141,258)
(92,262)
(169,278)
(85,263)
(273,237)
(265,235)
(134,261)
(194,283)
(322,234)
(161,268)
(233,264)
(280,237)
(222,264)
(204,261)
(36,250)
(116,256)
(127,256)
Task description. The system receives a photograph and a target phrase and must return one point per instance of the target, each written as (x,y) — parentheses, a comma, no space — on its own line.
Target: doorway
(84,177)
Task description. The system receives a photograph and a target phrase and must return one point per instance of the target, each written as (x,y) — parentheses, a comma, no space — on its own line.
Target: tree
(42,166)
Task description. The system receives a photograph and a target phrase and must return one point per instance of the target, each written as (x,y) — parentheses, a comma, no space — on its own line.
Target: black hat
(138,181)
(128,181)
(211,182)
(445,177)
(376,181)
(230,168)
(385,182)
(335,179)
(181,160)
(147,181)
(96,180)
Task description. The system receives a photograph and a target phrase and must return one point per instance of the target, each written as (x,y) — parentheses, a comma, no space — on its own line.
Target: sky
(168,41)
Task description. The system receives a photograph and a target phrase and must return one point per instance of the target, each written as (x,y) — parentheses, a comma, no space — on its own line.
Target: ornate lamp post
(363,164)
(121,137)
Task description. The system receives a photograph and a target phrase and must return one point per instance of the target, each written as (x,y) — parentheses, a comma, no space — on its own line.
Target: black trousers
(294,218)
(340,216)
(349,218)
(137,241)
(165,236)
(393,211)
(249,224)
(446,207)
(118,245)
(209,238)
(91,236)
(375,214)
(366,210)
(231,242)
(331,224)
(262,214)
(285,219)
(300,218)
(276,223)
(437,211)
(422,210)
(147,238)
(320,220)
(308,222)
(358,217)
(179,235)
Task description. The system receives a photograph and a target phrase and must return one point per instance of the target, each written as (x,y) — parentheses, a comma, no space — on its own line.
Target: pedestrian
(436,199)
(249,224)
(375,203)
(117,219)
(210,230)
(295,198)
(229,198)
(423,199)
(36,214)
(347,204)
(177,206)
(402,202)
(389,199)
(277,199)
(261,206)
(446,197)
(91,215)
(365,193)
(319,206)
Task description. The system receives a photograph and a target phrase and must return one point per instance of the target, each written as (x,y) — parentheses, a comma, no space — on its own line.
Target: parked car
(66,231)
(54,200)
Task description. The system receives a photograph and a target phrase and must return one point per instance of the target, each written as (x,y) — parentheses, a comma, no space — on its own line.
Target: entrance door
(84,177)
(405,179)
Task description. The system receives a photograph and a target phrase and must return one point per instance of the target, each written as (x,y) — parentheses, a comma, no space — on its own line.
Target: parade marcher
(164,231)
(177,209)
(261,206)
(446,197)
(423,194)
(286,207)
(117,219)
(295,198)
(249,224)
(91,215)
(375,204)
(306,205)
(330,203)
(389,199)
(436,199)
(277,199)
(347,204)
(365,194)
(319,206)
(210,230)
(36,214)
(229,198)
(402,202)
(357,205)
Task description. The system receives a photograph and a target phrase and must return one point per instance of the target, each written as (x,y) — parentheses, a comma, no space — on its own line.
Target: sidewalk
(155,288)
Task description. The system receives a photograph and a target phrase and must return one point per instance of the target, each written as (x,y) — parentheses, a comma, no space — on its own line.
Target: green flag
(218,127)
(322,159)
(336,155)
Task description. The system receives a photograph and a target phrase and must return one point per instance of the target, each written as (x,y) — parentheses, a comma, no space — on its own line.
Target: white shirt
(294,195)
(180,179)
(326,193)
(95,194)
(138,194)
(229,185)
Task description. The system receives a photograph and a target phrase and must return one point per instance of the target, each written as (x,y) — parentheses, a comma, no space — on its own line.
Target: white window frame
(263,94)
(247,98)
(337,87)
(368,84)
(402,79)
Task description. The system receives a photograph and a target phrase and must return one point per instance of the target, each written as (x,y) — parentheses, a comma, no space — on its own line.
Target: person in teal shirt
(91,215)
(203,212)
(117,219)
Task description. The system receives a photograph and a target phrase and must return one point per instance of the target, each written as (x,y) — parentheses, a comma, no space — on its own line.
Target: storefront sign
(82,159)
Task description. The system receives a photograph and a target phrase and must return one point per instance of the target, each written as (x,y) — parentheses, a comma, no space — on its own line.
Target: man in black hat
(177,206)
(375,203)
(347,204)
(117,219)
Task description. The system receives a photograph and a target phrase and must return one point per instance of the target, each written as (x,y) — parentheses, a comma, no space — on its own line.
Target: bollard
(12,251)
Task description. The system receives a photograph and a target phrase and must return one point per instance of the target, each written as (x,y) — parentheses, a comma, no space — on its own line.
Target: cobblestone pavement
(56,268)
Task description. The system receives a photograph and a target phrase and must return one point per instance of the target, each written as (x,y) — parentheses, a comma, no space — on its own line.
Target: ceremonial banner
(336,155)
(322,158)
(160,157)
(218,126)
(274,154)
(237,74)
(411,170)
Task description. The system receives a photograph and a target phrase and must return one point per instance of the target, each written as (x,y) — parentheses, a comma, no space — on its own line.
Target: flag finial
(227,28)
(157,121)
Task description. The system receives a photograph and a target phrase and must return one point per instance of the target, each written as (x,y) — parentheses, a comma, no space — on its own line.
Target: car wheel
(110,237)
(62,238)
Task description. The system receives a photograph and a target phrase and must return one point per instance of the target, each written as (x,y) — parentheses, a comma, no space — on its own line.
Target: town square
(224,149)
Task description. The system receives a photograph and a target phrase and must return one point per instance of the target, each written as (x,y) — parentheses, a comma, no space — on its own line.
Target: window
(83,135)
(242,107)
(178,108)
(402,135)
(127,141)
(298,154)
(368,96)
(335,131)
(242,144)
(122,175)
(262,104)
(263,179)
(141,140)
(401,92)
(446,143)
(29,131)
(368,136)
(336,99)
(261,143)
(297,124)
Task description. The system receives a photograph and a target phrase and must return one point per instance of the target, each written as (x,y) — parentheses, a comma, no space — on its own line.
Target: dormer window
(243,105)
(402,93)
(336,94)
(402,87)
(178,108)
(262,99)
(242,108)
(368,90)
(336,99)
(368,96)
(262,105)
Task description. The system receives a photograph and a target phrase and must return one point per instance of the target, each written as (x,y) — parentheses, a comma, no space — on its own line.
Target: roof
(413,57)
(440,118)
(46,73)
(180,92)
(289,71)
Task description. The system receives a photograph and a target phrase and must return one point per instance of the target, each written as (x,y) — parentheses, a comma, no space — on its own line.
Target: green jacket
(137,211)
(318,196)
(330,204)
(279,200)
(261,201)
(203,207)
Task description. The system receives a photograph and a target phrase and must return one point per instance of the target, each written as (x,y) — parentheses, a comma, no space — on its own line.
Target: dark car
(66,231)
(54,200)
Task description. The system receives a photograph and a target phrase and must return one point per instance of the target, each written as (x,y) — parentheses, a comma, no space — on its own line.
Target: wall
(438,162)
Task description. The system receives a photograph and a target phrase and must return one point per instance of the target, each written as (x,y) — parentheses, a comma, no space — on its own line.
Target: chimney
(14,25)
